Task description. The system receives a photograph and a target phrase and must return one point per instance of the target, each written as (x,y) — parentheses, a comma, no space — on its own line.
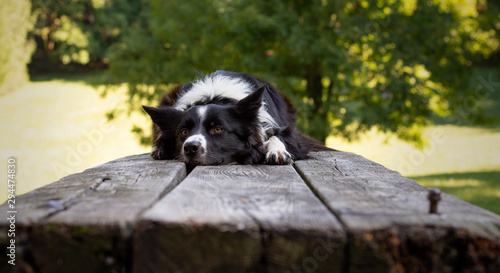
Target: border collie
(228,118)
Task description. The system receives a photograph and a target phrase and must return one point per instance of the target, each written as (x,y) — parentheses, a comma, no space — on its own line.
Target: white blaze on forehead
(214,86)
(202,110)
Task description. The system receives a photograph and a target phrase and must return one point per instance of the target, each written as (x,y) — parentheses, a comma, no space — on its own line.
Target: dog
(228,118)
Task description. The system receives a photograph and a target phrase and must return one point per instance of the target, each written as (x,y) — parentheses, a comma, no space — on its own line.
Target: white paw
(155,153)
(276,152)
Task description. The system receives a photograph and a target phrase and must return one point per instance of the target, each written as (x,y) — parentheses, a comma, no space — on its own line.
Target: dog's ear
(250,105)
(166,117)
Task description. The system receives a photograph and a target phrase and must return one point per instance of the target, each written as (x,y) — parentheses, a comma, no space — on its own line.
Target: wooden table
(337,212)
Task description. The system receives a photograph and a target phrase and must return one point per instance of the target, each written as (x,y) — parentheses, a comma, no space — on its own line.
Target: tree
(80,31)
(15,50)
(348,65)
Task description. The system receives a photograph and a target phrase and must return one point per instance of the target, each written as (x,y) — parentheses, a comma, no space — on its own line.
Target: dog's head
(211,134)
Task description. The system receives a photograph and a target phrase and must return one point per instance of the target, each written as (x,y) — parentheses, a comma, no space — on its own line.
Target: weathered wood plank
(247,218)
(83,222)
(388,224)
(239,219)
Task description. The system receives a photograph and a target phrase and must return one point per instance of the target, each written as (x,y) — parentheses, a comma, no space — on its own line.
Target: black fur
(230,128)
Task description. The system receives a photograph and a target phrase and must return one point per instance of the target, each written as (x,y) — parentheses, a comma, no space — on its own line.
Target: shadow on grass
(479,188)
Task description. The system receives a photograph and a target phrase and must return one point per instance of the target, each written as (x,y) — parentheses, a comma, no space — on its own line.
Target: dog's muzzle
(193,152)
(193,148)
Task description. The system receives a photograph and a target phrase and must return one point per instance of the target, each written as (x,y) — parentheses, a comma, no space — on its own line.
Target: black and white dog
(227,118)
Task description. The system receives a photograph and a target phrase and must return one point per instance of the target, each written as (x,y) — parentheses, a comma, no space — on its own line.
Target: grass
(479,188)
(451,149)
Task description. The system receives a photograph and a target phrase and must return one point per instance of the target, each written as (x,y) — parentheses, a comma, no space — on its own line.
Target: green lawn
(479,188)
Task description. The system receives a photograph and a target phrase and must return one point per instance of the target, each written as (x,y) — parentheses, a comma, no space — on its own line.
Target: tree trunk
(314,90)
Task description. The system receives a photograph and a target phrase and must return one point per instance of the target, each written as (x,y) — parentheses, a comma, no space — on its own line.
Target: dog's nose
(192,147)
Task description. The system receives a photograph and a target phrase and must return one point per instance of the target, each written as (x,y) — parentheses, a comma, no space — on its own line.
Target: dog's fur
(227,118)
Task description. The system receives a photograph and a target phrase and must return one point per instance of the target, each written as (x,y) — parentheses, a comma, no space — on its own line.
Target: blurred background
(413,85)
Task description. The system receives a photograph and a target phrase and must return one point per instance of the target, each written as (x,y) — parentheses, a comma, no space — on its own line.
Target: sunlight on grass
(452,183)
(479,188)
(449,149)
(57,128)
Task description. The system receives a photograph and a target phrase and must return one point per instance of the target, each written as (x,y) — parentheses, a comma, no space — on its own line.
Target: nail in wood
(434,197)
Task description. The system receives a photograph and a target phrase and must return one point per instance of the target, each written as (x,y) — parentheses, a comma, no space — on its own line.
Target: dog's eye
(184,132)
(217,130)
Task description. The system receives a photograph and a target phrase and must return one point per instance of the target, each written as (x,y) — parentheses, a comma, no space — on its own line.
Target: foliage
(80,31)
(348,65)
(15,50)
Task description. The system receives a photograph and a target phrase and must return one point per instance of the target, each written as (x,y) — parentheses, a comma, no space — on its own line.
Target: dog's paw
(277,153)
(155,153)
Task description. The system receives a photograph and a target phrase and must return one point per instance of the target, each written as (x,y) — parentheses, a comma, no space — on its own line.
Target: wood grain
(237,219)
(85,221)
(388,224)
(336,212)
